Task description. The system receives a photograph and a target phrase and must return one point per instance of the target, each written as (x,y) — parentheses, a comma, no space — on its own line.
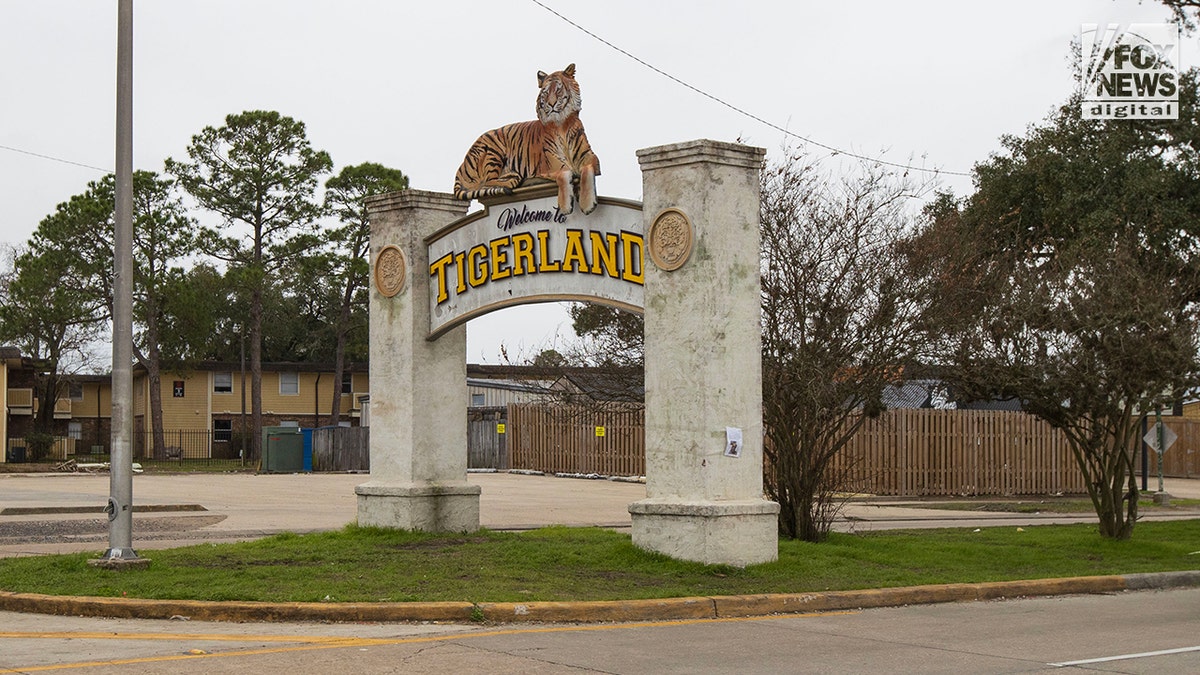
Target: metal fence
(53,449)
(188,444)
(181,448)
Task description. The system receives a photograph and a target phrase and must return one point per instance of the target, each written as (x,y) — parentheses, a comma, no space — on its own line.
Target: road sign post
(1160,438)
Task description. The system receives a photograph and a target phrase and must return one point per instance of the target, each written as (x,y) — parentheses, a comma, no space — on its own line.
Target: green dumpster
(283,450)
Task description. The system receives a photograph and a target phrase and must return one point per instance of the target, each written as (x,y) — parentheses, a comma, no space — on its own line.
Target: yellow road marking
(314,642)
(217,637)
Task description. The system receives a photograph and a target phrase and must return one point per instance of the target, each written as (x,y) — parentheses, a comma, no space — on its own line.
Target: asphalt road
(1130,632)
(1133,632)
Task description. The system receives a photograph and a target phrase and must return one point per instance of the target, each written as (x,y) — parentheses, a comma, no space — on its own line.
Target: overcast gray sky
(412,84)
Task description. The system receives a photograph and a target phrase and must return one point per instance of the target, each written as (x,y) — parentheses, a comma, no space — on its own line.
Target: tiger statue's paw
(566,203)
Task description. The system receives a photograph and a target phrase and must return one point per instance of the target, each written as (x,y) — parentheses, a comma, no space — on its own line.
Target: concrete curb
(667,609)
(94,510)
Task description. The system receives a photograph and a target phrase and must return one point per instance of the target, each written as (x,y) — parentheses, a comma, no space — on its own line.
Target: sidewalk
(889,514)
(60,513)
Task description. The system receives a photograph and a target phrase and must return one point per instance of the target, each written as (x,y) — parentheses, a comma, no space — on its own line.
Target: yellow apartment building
(211,403)
(10,359)
(82,413)
(206,407)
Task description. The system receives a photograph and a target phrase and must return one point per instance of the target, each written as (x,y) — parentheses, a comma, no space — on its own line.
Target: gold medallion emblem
(390,271)
(670,240)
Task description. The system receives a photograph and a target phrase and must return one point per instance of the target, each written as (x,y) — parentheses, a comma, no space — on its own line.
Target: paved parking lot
(49,513)
(46,513)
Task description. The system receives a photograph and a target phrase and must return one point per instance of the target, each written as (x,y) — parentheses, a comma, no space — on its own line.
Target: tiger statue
(553,147)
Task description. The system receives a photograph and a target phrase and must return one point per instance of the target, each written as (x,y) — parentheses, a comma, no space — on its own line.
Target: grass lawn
(1053,505)
(557,563)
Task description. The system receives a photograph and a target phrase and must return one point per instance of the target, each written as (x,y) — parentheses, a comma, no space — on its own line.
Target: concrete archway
(701,296)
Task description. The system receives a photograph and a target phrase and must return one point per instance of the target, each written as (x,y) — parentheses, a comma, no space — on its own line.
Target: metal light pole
(120,501)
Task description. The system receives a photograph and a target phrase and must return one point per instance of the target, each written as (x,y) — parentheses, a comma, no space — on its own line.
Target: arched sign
(524,250)
(694,271)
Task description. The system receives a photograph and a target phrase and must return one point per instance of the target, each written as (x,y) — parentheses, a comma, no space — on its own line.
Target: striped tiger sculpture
(553,148)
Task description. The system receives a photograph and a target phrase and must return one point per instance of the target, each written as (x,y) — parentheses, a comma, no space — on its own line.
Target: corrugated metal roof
(532,386)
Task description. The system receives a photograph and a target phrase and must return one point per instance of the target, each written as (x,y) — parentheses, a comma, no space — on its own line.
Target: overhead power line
(53,159)
(742,111)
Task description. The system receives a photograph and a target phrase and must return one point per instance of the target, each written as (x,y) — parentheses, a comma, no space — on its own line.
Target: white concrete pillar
(703,358)
(418,387)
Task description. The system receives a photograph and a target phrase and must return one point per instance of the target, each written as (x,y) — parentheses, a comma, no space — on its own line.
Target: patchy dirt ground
(27,467)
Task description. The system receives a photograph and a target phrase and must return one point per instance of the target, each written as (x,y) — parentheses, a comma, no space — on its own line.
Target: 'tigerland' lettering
(575,251)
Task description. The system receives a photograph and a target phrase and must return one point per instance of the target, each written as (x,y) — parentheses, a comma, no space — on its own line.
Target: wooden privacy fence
(959,452)
(605,440)
(486,438)
(1181,460)
(902,453)
(341,449)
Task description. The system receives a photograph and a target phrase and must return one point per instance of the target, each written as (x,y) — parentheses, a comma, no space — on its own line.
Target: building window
(222,431)
(290,424)
(222,383)
(289,384)
(75,430)
(75,391)
(347,382)
(477,400)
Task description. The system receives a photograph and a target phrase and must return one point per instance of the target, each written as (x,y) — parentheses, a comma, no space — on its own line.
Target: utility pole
(120,551)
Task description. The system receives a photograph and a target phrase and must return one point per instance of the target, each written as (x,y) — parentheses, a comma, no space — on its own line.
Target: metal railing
(182,448)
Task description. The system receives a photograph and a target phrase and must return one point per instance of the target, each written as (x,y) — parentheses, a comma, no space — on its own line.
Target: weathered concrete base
(120,559)
(429,508)
(1162,499)
(743,532)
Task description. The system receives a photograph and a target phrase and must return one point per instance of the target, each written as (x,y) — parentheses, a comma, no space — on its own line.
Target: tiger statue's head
(559,96)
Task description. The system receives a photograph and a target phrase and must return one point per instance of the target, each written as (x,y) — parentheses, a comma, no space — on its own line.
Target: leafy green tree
(549,358)
(610,336)
(840,322)
(347,264)
(50,310)
(163,236)
(1070,279)
(259,173)
(197,319)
